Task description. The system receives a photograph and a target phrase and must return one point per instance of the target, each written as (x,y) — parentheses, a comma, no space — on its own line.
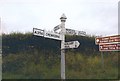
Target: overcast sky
(95,17)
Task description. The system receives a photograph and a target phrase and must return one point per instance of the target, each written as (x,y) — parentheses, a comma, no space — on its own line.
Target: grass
(78,66)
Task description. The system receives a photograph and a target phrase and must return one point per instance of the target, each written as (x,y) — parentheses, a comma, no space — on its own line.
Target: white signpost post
(61,36)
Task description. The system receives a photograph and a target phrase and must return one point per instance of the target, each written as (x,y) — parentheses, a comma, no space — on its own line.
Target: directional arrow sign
(38,32)
(75,32)
(72,44)
(52,35)
(46,34)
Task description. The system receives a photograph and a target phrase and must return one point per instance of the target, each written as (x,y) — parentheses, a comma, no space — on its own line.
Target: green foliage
(17,42)
(31,66)
(78,66)
(30,57)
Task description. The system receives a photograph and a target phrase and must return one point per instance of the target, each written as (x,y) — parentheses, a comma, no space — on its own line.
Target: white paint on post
(63,19)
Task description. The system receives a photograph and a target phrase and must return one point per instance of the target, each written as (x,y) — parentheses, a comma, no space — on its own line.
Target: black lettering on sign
(56,28)
(52,35)
(70,31)
(81,33)
(38,31)
(75,46)
(67,46)
(69,43)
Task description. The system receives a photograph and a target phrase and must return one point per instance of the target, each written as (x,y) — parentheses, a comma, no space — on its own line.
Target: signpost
(71,44)
(109,43)
(61,36)
(63,19)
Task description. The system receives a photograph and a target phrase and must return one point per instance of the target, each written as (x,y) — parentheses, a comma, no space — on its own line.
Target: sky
(95,17)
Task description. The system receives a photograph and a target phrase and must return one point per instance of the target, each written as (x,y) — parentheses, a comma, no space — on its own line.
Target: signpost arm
(63,19)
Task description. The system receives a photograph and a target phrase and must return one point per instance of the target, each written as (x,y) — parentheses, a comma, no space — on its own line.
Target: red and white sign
(109,47)
(109,39)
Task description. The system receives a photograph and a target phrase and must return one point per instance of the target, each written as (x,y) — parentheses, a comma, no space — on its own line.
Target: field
(78,66)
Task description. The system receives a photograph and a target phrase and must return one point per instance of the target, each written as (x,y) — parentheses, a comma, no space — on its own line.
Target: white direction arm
(75,32)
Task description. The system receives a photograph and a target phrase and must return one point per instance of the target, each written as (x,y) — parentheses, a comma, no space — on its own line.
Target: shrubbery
(29,57)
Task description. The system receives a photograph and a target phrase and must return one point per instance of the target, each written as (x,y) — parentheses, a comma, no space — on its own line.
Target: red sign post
(110,43)
(109,39)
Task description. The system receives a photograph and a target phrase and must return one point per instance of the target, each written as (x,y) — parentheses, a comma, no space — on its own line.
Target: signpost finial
(63,18)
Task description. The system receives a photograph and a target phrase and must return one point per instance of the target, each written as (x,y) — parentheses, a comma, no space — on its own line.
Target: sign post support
(102,60)
(63,19)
